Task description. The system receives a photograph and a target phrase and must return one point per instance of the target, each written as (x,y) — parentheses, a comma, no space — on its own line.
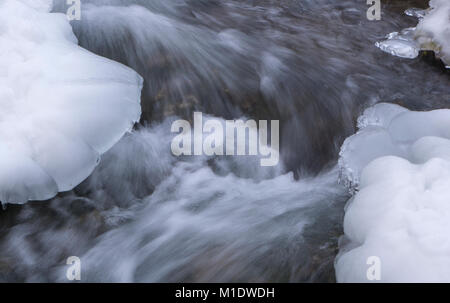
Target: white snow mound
(433,30)
(399,166)
(61,107)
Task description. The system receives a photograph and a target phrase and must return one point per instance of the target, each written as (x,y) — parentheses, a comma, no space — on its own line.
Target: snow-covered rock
(433,30)
(399,165)
(432,33)
(61,107)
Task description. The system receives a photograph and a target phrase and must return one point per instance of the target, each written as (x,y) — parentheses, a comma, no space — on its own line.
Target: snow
(432,33)
(433,30)
(61,106)
(398,165)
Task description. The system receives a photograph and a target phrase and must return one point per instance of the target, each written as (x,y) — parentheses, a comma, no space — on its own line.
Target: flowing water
(145,215)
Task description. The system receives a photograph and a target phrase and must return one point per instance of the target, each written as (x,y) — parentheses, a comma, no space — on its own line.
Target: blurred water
(146,216)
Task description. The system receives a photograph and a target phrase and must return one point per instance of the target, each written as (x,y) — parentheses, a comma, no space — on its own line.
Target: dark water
(146,216)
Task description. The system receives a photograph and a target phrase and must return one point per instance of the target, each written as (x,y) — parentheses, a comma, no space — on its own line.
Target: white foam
(61,106)
(399,162)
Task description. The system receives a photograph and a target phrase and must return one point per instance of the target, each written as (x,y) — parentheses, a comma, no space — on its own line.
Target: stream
(147,216)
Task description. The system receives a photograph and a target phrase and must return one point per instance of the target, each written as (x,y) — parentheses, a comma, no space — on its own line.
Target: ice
(433,30)
(398,165)
(416,12)
(400,44)
(432,33)
(61,106)
(372,141)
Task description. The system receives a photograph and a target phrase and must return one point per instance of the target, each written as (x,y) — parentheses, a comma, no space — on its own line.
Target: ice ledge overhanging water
(61,106)
(432,33)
